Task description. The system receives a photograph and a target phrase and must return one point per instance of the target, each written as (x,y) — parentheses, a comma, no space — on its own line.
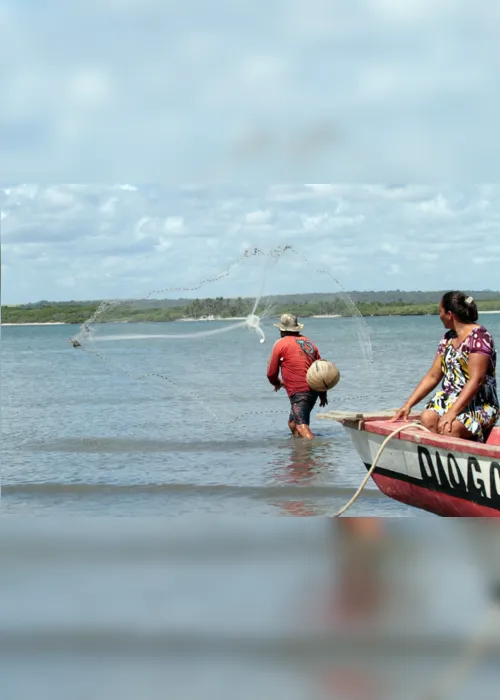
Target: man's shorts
(302,405)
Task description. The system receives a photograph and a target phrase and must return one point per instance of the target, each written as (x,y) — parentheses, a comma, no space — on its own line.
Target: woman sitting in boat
(467,405)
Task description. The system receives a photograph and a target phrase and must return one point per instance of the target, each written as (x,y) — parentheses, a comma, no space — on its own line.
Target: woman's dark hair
(463,306)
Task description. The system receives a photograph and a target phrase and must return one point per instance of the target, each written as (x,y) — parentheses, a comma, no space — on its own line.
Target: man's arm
(273,367)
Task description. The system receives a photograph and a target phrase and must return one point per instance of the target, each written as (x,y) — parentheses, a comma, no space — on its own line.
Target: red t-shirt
(294,355)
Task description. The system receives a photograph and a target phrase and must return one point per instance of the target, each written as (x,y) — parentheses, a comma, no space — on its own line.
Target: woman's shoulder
(481,340)
(480,331)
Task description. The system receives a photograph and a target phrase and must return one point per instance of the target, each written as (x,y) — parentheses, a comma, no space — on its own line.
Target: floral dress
(482,412)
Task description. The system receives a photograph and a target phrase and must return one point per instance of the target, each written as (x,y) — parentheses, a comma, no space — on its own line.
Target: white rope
(375,462)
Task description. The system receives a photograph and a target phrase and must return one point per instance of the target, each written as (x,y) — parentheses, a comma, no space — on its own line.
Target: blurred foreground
(228,608)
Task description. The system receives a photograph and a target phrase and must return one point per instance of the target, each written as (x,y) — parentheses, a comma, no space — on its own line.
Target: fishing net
(206,348)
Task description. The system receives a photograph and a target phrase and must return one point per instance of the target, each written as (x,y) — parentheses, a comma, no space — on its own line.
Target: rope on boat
(375,462)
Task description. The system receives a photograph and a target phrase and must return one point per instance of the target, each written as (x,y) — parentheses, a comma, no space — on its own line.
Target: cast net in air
(206,346)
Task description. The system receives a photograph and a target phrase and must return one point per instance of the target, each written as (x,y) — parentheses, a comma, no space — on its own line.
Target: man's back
(294,354)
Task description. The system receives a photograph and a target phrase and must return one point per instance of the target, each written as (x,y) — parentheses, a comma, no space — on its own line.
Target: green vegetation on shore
(61,312)
(368,304)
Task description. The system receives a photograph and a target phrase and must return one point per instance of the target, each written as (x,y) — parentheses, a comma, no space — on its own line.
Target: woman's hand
(402,414)
(445,423)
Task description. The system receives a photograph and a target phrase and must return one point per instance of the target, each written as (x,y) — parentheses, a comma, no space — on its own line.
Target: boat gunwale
(372,424)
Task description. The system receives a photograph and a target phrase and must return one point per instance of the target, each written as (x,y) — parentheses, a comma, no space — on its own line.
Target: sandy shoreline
(177,320)
(208,320)
(192,320)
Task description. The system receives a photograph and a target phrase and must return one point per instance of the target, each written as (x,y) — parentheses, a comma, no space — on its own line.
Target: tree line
(219,307)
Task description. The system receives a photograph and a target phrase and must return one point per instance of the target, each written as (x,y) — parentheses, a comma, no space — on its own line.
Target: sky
(81,242)
(301,90)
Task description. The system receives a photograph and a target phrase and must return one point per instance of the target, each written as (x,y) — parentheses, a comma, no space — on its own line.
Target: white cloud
(321,189)
(109,206)
(19,192)
(141,227)
(89,88)
(174,224)
(437,207)
(67,282)
(257,218)
(58,197)
(491,260)
(429,257)
(389,248)
(296,193)
(127,188)
(327,221)
(163,244)
(124,241)
(311,223)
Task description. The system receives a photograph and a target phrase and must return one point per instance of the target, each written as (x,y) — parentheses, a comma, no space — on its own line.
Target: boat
(447,476)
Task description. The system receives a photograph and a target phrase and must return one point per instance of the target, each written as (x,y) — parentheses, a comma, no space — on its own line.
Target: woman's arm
(425,386)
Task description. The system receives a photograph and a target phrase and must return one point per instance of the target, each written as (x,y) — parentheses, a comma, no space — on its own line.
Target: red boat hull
(446,476)
(422,497)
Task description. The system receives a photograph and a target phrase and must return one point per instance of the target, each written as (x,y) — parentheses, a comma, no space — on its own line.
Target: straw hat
(289,322)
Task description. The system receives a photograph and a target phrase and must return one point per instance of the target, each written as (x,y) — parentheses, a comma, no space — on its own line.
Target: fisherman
(294,354)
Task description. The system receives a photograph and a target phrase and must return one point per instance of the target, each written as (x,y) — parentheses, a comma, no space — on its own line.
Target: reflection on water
(303,462)
(306,462)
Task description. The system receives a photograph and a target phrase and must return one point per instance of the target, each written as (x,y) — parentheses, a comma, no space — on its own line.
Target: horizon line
(266,296)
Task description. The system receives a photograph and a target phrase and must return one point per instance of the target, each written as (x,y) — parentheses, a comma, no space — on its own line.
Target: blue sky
(62,242)
(304,90)
(127,91)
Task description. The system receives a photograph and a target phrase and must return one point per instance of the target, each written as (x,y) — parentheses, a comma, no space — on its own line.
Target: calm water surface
(202,605)
(81,436)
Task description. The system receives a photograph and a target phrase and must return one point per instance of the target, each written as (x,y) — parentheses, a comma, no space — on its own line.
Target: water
(81,437)
(127,607)
(239,605)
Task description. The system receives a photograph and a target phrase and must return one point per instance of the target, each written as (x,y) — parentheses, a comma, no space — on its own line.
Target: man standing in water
(294,354)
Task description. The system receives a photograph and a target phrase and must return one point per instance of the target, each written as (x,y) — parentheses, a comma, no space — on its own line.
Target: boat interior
(494,436)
